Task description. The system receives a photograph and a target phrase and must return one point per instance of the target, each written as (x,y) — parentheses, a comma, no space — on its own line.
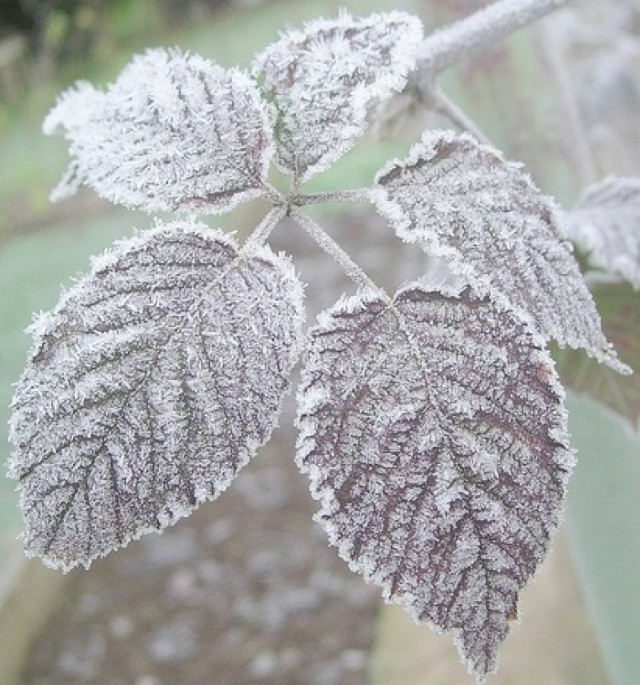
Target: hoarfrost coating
(321,80)
(462,202)
(175,132)
(431,423)
(435,437)
(606,224)
(150,386)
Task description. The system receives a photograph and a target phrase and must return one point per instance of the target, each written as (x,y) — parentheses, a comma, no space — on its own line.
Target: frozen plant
(431,421)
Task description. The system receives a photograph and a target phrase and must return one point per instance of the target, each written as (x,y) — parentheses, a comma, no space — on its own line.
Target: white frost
(149,386)
(322,79)
(439,454)
(174,132)
(462,202)
(606,224)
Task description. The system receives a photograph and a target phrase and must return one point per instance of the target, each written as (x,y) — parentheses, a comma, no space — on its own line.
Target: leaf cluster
(431,421)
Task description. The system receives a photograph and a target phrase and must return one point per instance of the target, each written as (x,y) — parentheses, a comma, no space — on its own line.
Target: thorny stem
(329,245)
(359,195)
(483,28)
(263,230)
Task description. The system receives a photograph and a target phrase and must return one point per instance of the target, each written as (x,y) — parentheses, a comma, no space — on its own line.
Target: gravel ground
(245,591)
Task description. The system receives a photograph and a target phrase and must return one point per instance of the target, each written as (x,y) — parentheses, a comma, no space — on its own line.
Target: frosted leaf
(606,223)
(175,132)
(619,306)
(149,386)
(320,81)
(434,433)
(462,202)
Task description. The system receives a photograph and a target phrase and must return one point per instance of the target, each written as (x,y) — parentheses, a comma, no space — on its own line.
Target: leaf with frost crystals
(619,306)
(175,132)
(321,80)
(462,202)
(149,386)
(434,433)
(606,223)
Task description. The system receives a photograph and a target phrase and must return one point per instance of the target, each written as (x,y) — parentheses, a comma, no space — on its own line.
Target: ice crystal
(462,202)
(606,223)
(175,132)
(149,386)
(320,81)
(434,433)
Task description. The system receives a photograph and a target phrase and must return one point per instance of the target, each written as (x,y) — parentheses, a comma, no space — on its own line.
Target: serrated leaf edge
(45,323)
(308,402)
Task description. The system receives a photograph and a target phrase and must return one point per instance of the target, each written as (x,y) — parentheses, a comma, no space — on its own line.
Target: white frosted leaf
(461,201)
(320,81)
(434,433)
(175,132)
(606,223)
(149,386)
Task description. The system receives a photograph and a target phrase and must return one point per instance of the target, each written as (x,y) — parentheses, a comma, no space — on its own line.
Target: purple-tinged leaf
(322,79)
(606,224)
(434,433)
(175,132)
(149,386)
(461,201)
(619,306)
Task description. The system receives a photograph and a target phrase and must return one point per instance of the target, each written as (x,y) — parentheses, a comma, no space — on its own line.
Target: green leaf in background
(619,308)
(603,524)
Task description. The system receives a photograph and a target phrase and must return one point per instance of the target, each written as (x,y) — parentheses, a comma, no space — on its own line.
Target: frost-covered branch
(457,116)
(329,245)
(348,196)
(266,226)
(445,47)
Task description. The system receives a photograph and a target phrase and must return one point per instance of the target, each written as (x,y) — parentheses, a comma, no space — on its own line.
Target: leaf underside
(435,437)
(321,80)
(606,223)
(619,307)
(175,132)
(461,201)
(150,385)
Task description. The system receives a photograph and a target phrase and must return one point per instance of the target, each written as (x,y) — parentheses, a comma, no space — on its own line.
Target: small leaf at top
(149,386)
(175,132)
(321,80)
(434,433)
(462,202)
(606,223)
(619,306)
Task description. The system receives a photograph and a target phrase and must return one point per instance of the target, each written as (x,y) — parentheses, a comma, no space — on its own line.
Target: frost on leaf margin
(434,433)
(462,202)
(606,223)
(320,81)
(149,386)
(175,132)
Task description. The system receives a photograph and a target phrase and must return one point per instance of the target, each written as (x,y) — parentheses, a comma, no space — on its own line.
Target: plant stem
(483,28)
(457,116)
(273,194)
(358,195)
(264,228)
(329,245)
